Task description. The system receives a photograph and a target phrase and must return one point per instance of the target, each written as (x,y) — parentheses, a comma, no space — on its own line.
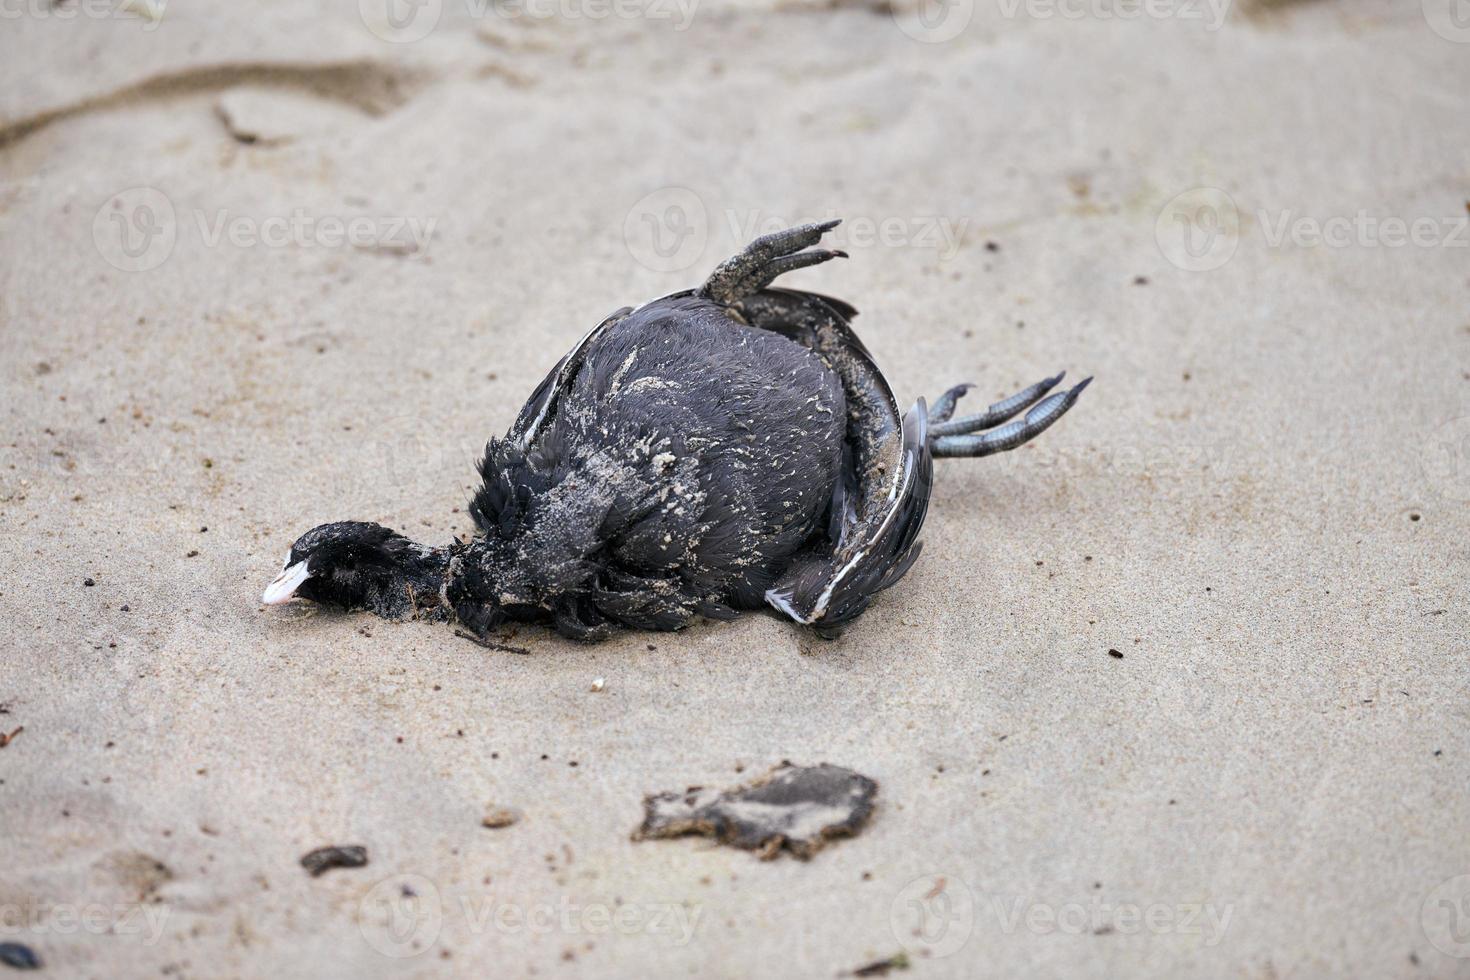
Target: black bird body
(712,451)
(677,472)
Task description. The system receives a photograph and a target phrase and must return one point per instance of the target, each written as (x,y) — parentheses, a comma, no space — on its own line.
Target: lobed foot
(767,257)
(958,438)
(995,414)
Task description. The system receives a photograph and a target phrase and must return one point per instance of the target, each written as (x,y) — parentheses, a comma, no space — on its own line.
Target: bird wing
(878,506)
(543,400)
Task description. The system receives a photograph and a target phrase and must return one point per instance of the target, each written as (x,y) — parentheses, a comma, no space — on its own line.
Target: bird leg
(764,259)
(992,416)
(963,440)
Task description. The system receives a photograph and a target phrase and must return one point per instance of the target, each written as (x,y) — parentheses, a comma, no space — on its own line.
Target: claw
(944,405)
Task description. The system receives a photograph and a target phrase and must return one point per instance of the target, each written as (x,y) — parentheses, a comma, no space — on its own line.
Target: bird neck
(414,585)
(468,592)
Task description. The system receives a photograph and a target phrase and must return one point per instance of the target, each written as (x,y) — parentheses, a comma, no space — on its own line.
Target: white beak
(286,584)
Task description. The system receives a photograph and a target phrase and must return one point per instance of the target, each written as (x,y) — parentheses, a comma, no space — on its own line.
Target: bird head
(352,565)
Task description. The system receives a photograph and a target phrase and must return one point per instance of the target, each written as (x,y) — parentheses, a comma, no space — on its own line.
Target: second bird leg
(963,436)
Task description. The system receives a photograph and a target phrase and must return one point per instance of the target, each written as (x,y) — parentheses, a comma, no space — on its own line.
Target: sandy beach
(1179,690)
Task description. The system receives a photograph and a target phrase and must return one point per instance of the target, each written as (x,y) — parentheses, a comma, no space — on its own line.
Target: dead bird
(717,450)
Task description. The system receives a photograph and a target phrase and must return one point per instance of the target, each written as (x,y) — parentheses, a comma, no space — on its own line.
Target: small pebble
(499,816)
(599,684)
(324,859)
(19,957)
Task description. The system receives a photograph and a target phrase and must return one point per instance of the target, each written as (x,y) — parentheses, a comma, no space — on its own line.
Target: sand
(1180,691)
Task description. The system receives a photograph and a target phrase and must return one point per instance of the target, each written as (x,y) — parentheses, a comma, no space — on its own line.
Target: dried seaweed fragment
(799,808)
(324,859)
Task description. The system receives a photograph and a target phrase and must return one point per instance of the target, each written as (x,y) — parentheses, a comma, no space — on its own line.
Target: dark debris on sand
(881,968)
(795,808)
(324,859)
(19,957)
